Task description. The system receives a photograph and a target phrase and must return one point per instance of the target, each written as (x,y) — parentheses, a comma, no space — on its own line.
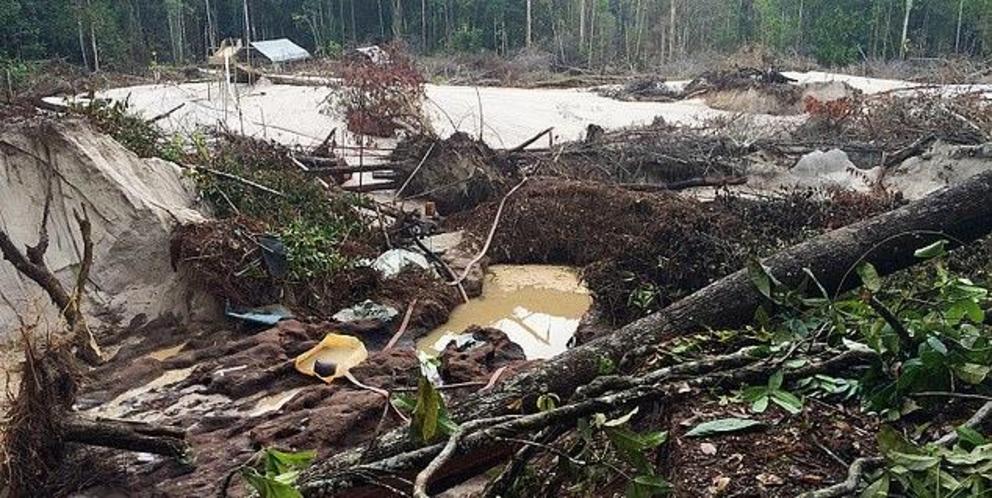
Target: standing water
(538,307)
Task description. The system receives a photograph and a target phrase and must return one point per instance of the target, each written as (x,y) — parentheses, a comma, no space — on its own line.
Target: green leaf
(654,439)
(877,489)
(972,373)
(760,277)
(937,345)
(787,400)
(932,251)
(760,404)
(631,447)
(970,436)
(754,393)
(617,422)
(427,411)
(869,277)
(891,440)
(775,381)
(723,426)
(913,461)
(269,487)
(648,486)
(279,462)
(958,456)
(966,308)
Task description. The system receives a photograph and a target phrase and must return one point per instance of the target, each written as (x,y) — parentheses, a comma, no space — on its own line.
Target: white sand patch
(292,114)
(297,115)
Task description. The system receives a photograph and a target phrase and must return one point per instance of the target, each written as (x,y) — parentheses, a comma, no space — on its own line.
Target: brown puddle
(537,306)
(166,353)
(273,402)
(118,407)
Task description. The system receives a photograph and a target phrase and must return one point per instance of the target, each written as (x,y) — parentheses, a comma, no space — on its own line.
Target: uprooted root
(456,173)
(33,446)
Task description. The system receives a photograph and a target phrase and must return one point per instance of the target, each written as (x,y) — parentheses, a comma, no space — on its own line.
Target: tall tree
(904,39)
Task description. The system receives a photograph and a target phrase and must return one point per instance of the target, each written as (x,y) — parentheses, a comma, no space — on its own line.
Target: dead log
(165,114)
(127,435)
(983,151)
(914,149)
(530,141)
(959,214)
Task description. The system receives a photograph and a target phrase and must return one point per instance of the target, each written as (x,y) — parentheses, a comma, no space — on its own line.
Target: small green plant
(644,298)
(824,385)
(278,473)
(628,447)
(932,470)
(116,119)
(929,334)
(429,415)
(312,250)
(760,396)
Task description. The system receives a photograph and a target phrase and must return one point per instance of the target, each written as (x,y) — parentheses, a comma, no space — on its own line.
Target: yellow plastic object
(344,351)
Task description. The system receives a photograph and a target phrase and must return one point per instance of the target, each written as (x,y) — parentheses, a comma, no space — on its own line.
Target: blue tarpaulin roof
(281,50)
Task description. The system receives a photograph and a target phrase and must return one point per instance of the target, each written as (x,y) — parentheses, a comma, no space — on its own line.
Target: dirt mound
(133,204)
(895,121)
(457,173)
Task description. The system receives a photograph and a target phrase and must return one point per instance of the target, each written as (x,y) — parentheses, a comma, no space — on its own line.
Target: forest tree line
(131,34)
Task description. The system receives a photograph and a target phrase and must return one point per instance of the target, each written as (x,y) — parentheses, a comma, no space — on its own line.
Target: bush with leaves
(930,334)
(379,97)
(131,130)
(933,470)
(313,223)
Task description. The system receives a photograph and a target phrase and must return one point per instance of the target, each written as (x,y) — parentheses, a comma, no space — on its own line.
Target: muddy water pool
(538,307)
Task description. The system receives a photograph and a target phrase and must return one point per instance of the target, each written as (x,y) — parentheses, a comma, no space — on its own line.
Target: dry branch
(31,264)
(480,436)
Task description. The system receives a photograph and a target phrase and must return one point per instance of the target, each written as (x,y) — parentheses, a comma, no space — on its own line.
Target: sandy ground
(297,115)
(300,115)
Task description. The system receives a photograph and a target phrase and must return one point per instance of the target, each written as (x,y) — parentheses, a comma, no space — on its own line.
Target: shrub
(379,97)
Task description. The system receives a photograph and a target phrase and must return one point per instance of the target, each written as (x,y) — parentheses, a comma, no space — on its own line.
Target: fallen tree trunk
(960,214)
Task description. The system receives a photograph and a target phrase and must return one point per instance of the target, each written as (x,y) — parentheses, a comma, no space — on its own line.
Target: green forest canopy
(131,34)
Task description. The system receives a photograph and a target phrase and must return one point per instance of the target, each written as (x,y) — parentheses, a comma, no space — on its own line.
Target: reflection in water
(537,306)
(119,406)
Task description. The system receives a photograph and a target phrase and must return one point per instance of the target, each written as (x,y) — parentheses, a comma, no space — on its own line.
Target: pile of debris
(456,173)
